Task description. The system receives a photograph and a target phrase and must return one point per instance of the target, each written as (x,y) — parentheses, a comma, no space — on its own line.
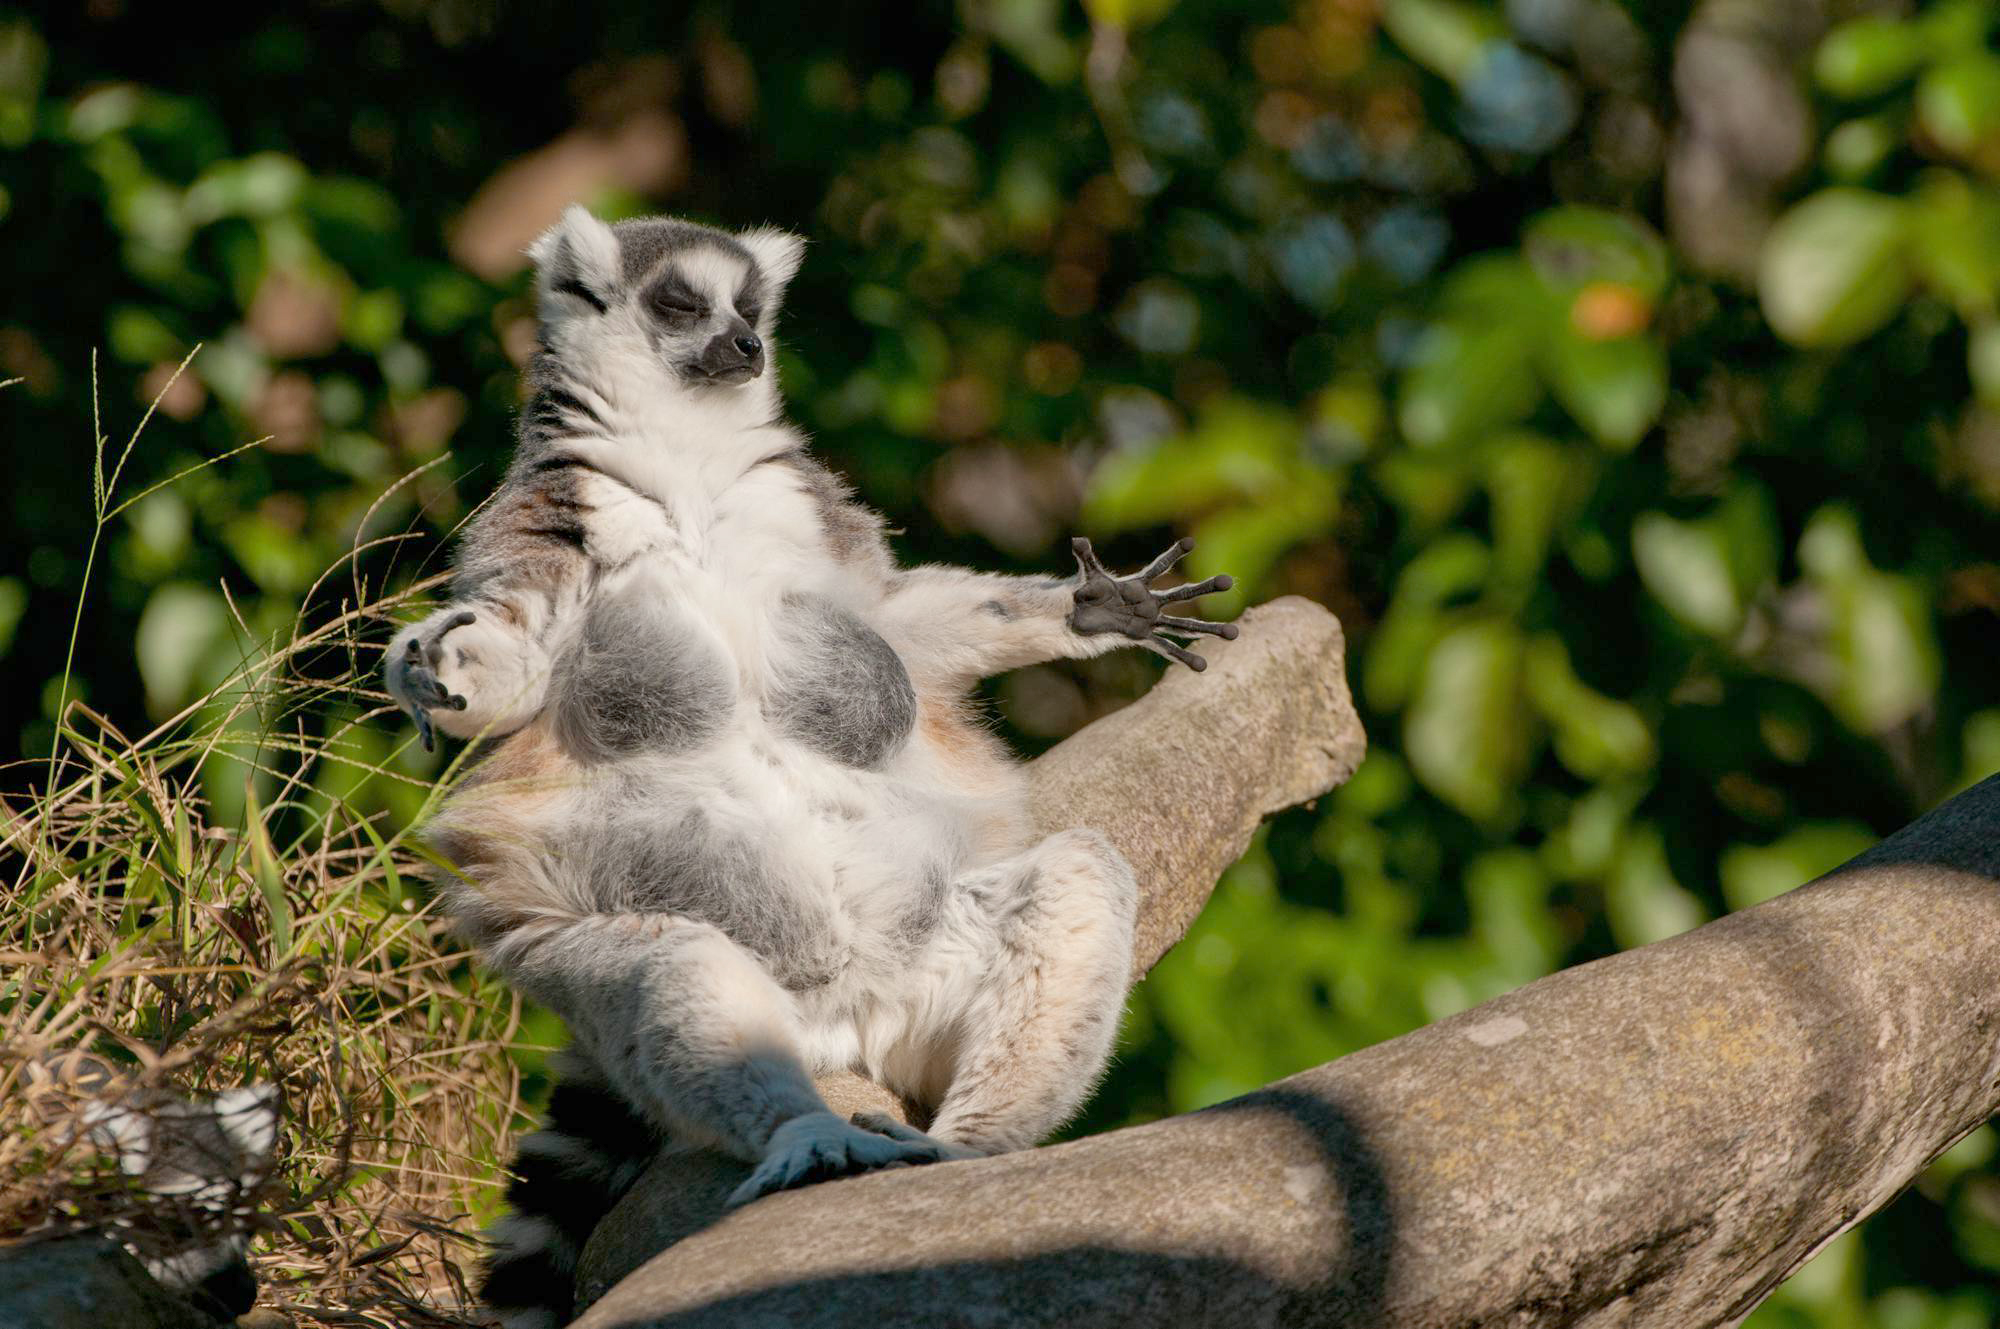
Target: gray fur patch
(633,683)
(644,241)
(921,916)
(686,865)
(847,695)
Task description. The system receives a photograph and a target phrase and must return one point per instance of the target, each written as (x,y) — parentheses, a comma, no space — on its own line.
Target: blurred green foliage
(1625,377)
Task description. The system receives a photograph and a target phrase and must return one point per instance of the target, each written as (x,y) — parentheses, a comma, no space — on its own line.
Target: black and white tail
(566,1177)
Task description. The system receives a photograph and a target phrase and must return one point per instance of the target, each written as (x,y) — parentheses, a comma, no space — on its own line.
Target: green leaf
(1868,56)
(1835,268)
(1686,568)
(1569,248)
(1467,734)
(177,631)
(1249,541)
(1529,481)
(1127,13)
(1705,571)
(1954,27)
(1453,565)
(1596,737)
(1642,901)
(264,869)
(13,605)
(1857,148)
(1882,638)
(1958,104)
(1496,288)
(1507,895)
(1238,450)
(1445,37)
(1615,389)
(373,319)
(263,185)
(1471,378)
(1982,361)
(1752,874)
(1955,242)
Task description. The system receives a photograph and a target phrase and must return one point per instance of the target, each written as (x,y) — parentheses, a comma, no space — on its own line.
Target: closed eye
(672,300)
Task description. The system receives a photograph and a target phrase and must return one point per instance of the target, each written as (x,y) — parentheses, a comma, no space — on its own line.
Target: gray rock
(1180,781)
(86,1283)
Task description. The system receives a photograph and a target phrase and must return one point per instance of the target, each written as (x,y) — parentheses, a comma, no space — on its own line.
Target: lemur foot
(417,686)
(1107,603)
(820,1146)
(884,1124)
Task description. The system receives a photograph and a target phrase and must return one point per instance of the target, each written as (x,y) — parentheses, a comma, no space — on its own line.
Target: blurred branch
(1658,1138)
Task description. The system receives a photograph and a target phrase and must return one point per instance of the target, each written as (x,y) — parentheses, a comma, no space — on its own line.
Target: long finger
(1161,646)
(1226,631)
(1194,590)
(1086,557)
(435,650)
(1178,551)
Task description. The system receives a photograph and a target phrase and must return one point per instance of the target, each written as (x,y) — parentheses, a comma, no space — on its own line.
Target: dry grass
(286,941)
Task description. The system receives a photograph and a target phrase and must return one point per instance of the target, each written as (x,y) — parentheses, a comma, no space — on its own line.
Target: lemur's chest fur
(713,609)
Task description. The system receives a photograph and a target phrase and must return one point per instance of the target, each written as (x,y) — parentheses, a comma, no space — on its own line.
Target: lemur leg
(1037,1028)
(689,1027)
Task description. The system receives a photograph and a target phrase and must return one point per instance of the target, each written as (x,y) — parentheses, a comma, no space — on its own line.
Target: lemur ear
(778,254)
(576,263)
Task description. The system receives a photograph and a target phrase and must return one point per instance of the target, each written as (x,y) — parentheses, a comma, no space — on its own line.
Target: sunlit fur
(734,825)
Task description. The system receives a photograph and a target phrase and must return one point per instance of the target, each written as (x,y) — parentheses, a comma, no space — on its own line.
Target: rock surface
(1656,1139)
(85,1283)
(1180,781)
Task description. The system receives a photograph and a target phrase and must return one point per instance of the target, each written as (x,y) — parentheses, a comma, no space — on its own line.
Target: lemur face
(697,304)
(700,296)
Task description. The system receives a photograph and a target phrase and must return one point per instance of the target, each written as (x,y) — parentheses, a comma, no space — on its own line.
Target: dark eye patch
(675,300)
(750,304)
(571,286)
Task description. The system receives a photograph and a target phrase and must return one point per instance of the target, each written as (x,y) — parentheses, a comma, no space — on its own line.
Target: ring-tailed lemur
(738,828)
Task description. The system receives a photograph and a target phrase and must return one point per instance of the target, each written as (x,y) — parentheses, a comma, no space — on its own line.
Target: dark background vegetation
(1624,376)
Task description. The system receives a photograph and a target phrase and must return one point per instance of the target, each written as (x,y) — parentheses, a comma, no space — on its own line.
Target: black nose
(749,343)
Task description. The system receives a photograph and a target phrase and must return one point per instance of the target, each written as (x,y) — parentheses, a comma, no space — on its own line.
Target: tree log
(1654,1139)
(1180,781)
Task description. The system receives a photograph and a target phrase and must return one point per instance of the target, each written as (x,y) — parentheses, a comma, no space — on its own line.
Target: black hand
(1107,603)
(420,680)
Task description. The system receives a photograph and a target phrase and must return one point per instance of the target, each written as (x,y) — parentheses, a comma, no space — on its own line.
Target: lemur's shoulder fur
(734,823)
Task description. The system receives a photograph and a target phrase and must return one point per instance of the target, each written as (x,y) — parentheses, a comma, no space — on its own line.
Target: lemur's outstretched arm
(954,627)
(480,664)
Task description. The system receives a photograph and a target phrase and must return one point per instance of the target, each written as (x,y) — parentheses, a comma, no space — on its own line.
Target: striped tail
(567,1176)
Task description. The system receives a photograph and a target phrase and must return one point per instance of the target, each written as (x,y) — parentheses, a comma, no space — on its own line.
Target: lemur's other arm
(480,664)
(954,627)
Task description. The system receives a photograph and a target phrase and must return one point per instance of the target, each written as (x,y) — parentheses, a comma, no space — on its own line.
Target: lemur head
(687,308)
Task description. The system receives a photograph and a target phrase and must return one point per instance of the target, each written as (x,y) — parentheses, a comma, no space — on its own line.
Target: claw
(1226,631)
(425,734)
